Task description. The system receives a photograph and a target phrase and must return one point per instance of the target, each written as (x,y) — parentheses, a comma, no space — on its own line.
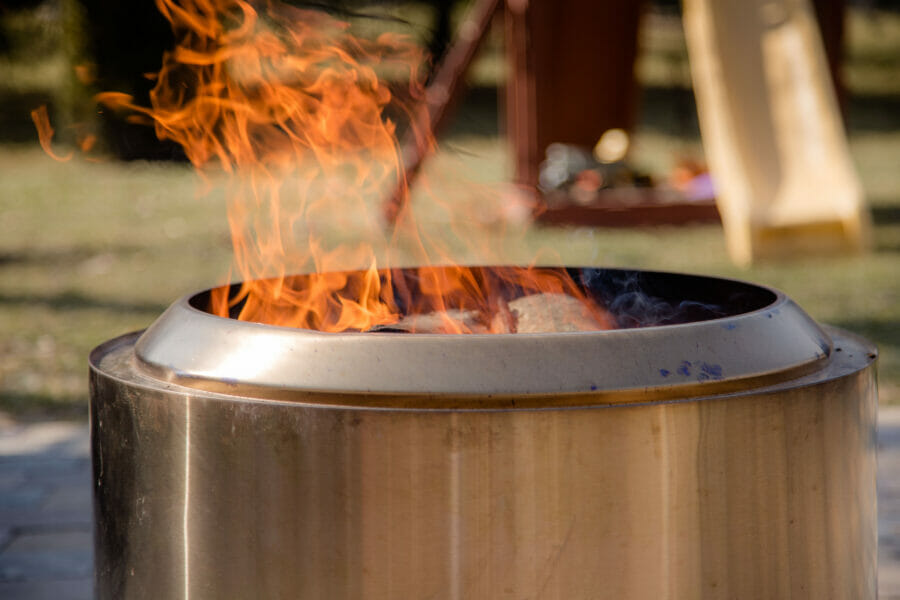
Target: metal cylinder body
(762,492)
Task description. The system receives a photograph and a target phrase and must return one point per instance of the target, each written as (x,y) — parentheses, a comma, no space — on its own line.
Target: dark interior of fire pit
(633,298)
(645,298)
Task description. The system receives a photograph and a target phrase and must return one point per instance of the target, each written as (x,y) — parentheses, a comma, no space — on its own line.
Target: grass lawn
(91,250)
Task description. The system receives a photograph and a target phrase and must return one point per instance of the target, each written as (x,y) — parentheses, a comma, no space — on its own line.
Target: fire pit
(715,442)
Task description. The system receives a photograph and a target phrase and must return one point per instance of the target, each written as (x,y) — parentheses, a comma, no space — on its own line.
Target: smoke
(641,299)
(637,309)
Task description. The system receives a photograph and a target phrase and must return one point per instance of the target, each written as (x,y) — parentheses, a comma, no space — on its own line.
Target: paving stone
(55,477)
(889,504)
(42,541)
(34,516)
(48,565)
(48,556)
(23,497)
(70,498)
(59,469)
(74,589)
(58,438)
(6,536)
(11,477)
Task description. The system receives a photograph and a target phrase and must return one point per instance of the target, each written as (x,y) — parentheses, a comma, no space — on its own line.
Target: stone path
(45,510)
(889,503)
(46,546)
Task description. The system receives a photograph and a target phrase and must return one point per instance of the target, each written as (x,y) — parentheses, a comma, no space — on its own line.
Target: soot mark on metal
(708,372)
(703,370)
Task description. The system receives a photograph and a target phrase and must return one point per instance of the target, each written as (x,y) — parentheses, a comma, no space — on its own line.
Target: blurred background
(96,247)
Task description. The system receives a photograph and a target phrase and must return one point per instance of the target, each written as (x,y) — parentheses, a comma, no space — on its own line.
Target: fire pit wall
(737,481)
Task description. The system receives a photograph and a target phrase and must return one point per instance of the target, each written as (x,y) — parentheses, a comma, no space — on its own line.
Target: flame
(45,133)
(303,117)
(86,73)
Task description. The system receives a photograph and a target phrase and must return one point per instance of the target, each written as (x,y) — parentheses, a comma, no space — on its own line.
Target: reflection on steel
(186,512)
(761,486)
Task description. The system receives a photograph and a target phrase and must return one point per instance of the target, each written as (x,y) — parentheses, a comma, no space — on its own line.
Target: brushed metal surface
(764,493)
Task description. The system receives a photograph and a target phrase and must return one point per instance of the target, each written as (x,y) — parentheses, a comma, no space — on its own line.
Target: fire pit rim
(115,359)
(776,296)
(185,345)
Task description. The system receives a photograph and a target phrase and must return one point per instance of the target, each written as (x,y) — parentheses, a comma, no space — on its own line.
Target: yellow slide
(771,130)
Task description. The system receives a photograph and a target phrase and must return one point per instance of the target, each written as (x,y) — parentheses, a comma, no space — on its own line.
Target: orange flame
(45,133)
(293,108)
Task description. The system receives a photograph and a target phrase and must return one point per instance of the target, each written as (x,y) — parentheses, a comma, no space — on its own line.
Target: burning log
(534,313)
(540,313)
(446,321)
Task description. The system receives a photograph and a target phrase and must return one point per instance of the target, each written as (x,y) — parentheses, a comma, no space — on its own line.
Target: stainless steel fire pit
(726,452)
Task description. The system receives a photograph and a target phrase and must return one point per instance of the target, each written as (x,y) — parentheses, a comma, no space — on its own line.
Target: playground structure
(766,77)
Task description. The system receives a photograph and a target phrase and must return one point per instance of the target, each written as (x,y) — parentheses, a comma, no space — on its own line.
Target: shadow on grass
(886,230)
(476,115)
(886,215)
(669,111)
(666,110)
(886,246)
(868,113)
(63,256)
(673,111)
(77,301)
(38,406)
